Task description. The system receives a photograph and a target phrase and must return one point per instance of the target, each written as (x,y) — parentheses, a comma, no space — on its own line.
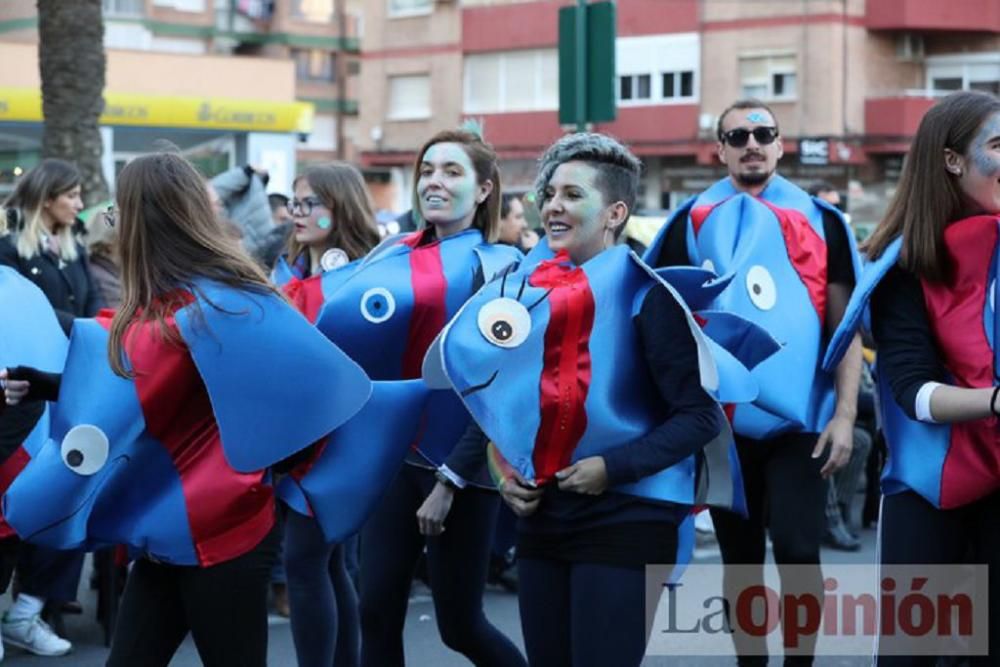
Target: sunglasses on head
(739,137)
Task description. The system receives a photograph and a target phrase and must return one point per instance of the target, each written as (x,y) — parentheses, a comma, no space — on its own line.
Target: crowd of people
(257,393)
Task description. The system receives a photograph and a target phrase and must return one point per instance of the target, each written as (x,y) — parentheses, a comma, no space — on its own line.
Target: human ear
(953,162)
(485,190)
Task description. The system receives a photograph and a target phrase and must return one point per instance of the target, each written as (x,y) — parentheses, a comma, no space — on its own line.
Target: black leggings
(914,531)
(786,496)
(223,606)
(457,562)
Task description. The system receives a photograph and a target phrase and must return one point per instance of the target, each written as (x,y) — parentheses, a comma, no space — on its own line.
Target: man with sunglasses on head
(793,269)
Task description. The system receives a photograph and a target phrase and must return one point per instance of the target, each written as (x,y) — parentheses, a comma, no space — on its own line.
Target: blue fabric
(500,385)
(268,346)
(742,234)
(359,461)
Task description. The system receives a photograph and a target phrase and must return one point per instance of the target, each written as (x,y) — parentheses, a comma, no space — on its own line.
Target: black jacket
(69,289)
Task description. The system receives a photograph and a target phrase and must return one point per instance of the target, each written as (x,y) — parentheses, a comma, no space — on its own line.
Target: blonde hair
(48,180)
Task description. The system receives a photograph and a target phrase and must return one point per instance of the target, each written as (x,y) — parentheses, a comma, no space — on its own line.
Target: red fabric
(430,288)
(700,213)
(955,312)
(9,470)
(228,512)
(306,295)
(566,372)
(807,252)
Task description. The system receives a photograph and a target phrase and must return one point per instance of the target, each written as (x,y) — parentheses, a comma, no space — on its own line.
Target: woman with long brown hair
(207,358)
(932,288)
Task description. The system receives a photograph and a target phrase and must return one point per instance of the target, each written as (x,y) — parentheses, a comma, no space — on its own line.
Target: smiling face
(575,215)
(752,164)
(447,189)
(61,210)
(311,230)
(980,173)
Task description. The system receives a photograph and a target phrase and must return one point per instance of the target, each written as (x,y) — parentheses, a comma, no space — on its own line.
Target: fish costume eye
(377,305)
(85,449)
(504,322)
(761,288)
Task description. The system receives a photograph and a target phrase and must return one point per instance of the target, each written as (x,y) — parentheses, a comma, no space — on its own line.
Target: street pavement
(423,646)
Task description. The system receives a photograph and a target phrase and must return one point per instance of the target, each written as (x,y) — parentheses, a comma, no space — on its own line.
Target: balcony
(933,15)
(897,115)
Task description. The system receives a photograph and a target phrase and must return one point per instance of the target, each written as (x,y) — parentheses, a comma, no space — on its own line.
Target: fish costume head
(548,362)
(163,461)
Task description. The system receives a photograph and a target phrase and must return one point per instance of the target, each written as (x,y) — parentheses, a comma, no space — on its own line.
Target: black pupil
(756,289)
(74,458)
(502,330)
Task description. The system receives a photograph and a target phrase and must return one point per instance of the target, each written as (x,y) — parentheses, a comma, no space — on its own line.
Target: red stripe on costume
(566,371)
(430,288)
(955,311)
(306,295)
(228,512)
(9,470)
(807,252)
(700,213)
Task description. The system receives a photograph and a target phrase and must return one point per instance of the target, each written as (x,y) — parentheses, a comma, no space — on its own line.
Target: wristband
(445,480)
(993,401)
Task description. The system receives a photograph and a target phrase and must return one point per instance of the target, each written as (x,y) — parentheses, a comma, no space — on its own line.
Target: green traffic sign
(587,63)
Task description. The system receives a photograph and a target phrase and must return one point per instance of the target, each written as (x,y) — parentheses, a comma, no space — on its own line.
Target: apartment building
(848,80)
(227,81)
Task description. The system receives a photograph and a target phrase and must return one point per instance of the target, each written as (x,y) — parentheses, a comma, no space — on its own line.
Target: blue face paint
(323,223)
(756,117)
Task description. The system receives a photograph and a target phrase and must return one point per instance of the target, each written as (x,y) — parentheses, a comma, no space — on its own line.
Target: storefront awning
(24,105)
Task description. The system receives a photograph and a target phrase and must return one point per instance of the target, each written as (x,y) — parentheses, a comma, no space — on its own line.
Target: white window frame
(958,66)
(110,11)
(510,106)
(654,87)
(771,72)
(406,13)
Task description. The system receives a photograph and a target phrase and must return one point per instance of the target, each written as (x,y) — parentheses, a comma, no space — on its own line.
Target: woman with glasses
(932,290)
(333,228)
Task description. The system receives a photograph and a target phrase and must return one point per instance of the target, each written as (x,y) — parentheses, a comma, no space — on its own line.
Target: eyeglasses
(739,137)
(111,216)
(303,207)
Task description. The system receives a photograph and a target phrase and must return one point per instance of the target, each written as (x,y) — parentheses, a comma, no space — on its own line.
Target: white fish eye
(377,305)
(504,322)
(761,288)
(85,449)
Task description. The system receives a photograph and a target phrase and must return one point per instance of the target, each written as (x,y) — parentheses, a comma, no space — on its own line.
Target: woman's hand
(589,476)
(14,390)
(522,498)
(431,515)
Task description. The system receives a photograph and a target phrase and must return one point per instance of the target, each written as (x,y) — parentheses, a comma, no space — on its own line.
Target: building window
(678,85)
(979,71)
(526,80)
(410,7)
(409,97)
(116,8)
(769,77)
(315,65)
(182,5)
(314,11)
(635,87)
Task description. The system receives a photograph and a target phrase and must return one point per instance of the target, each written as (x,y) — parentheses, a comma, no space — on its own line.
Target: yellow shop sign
(206,113)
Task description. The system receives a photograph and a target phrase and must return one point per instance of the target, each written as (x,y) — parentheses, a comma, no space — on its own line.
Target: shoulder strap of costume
(856,307)
(831,211)
(275,382)
(379,250)
(495,258)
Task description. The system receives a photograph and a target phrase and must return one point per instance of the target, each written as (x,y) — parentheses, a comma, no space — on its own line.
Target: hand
(522,498)
(839,434)
(14,390)
(589,476)
(431,515)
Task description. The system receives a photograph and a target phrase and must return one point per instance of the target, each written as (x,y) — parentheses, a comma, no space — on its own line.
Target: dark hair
(618,170)
(168,236)
(746,103)
(928,197)
(484,162)
(341,188)
(277,200)
(823,186)
(505,201)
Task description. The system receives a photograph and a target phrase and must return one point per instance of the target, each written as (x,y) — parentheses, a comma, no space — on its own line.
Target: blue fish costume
(949,465)
(548,361)
(171,462)
(774,249)
(30,335)
(387,313)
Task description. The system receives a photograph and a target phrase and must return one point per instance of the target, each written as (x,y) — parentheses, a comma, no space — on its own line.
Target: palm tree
(72,62)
